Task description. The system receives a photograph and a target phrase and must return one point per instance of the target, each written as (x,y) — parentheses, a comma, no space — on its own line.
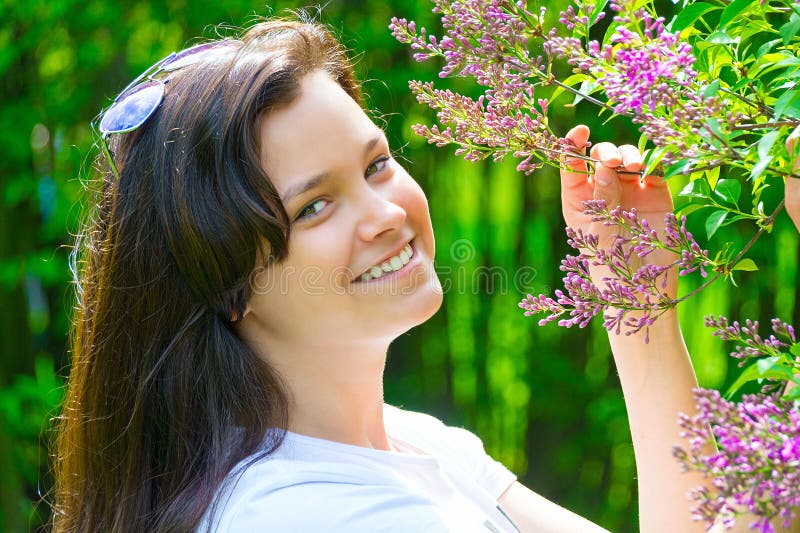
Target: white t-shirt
(441,480)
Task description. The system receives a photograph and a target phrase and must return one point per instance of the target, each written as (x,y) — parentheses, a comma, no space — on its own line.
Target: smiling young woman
(253,251)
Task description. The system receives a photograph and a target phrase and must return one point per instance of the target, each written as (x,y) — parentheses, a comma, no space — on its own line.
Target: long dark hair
(164,398)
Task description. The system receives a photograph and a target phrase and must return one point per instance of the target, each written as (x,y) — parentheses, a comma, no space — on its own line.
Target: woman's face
(352,208)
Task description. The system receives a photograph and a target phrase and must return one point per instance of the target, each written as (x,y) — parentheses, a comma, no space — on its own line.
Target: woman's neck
(335,391)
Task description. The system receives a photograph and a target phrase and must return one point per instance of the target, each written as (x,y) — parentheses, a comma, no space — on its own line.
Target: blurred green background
(546,401)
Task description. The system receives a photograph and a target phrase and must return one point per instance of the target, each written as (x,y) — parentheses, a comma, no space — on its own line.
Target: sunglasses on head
(140,99)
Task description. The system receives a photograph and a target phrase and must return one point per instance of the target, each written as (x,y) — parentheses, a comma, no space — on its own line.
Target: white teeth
(390,265)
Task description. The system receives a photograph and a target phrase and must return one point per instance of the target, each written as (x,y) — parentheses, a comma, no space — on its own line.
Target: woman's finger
(632,162)
(607,153)
(606,183)
(575,171)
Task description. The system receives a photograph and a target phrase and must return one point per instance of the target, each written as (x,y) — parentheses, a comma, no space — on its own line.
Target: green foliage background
(546,401)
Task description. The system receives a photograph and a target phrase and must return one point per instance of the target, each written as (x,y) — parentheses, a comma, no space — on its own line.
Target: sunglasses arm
(107,153)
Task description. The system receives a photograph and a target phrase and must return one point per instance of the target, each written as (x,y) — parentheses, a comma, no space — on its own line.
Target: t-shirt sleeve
(458,447)
(466,447)
(335,508)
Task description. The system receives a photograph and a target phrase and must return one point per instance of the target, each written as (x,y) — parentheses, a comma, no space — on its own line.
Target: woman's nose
(380,214)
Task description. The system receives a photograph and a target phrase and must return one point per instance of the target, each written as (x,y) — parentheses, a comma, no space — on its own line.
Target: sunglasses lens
(133,108)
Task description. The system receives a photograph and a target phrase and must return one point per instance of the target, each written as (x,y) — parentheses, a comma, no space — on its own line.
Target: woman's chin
(430,304)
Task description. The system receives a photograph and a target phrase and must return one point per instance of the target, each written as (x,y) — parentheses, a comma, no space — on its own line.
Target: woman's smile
(396,267)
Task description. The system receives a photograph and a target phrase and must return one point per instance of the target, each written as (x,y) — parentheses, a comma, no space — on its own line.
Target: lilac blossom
(478,33)
(648,75)
(493,125)
(487,40)
(750,452)
(632,295)
(644,71)
(752,343)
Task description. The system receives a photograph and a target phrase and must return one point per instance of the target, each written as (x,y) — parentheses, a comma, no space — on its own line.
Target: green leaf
(741,83)
(642,142)
(698,188)
(732,11)
(760,167)
(712,175)
(735,218)
(715,220)
(766,47)
(571,81)
(689,208)
(728,191)
(691,13)
(788,104)
(712,89)
(795,349)
(764,65)
(587,87)
(790,29)
(676,168)
(653,158)
(720,37)
(766,368)
(766,142)
(598,8)
(745,264)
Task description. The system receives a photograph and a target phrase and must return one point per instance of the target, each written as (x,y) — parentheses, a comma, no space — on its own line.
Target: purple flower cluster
(571,19)
(494,125)
(752,344)
(646,72)
(478,35)
(632,292)
(646,66)
(644,239)
(750,452)
(488,40)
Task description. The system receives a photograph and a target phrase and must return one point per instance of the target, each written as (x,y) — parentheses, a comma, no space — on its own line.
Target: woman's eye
(377,166)
(310,211)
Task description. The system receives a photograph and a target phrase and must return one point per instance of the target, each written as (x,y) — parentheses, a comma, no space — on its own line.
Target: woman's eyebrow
(318,179)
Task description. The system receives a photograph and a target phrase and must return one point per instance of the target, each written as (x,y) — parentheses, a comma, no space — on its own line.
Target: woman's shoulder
(280,494)
(310,484)
(432,435)
(458,449)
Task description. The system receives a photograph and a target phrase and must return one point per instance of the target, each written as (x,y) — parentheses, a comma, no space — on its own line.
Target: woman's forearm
(657,380)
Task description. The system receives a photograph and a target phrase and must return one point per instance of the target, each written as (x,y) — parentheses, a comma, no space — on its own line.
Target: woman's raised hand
(616,180)
(656,378)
